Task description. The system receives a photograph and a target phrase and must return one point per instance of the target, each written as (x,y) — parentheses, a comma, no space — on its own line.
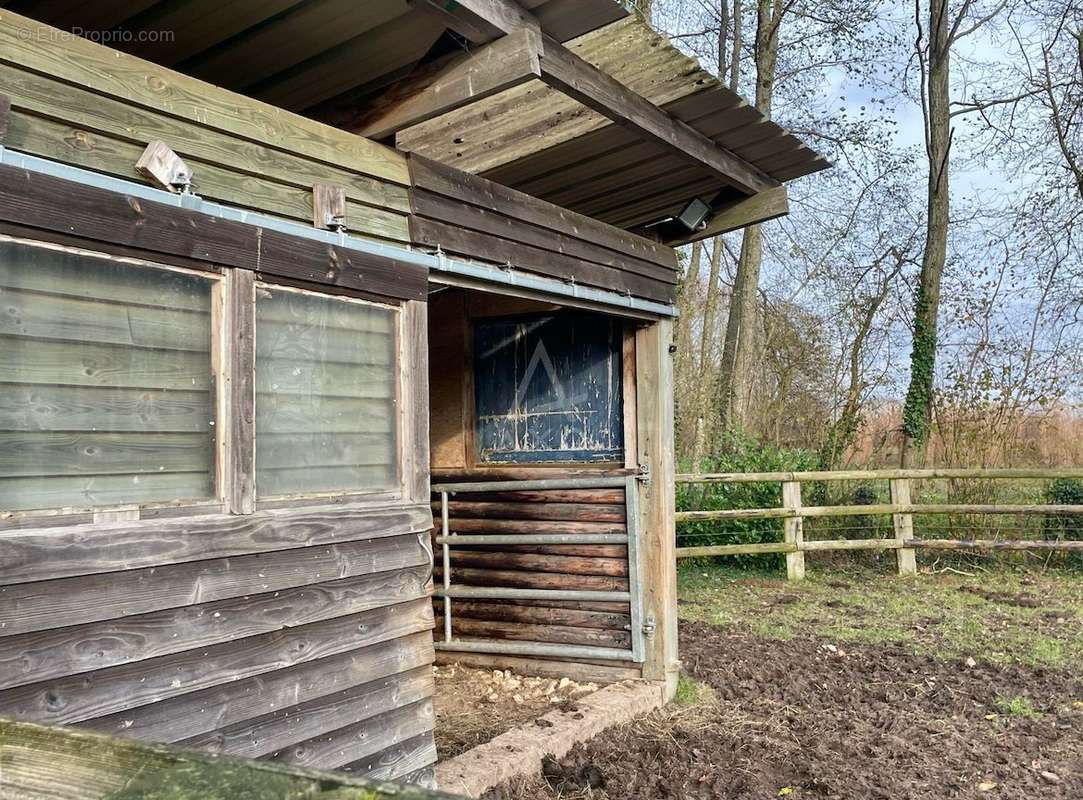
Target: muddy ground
(809,717)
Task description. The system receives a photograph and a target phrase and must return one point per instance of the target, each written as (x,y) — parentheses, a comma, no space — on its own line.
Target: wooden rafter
(564,70)
(453,82)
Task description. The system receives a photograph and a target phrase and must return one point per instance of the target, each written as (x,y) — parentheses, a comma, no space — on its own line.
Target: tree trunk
(686,380)
(917,411)
(736,352)
(738,42)
(710,313)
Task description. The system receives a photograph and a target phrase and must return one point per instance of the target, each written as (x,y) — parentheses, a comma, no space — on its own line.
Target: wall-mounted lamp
(694,216)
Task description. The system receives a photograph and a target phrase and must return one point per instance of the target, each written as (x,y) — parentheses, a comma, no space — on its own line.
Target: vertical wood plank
(904,526)
(328,206)
(654,444)
(5,115)
(414,393)
(794,531)
(237,397)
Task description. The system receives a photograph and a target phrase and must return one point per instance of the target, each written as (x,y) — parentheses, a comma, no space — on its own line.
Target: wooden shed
(294,295)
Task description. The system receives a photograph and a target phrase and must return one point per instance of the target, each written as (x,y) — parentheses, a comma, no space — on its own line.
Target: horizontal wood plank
(76,601)
(407,762)
(94,113)
(45,655)
(457,185)
(534,510)
(35,555)
(121,688)
(286,726)
(362,739)
(484,220)
(129,79)
(429,233)
(197,714)
(532,562)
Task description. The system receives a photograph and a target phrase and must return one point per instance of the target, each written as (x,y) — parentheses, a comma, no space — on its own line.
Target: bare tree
(946,27)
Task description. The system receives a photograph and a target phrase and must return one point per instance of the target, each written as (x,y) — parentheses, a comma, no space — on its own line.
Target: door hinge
(648,627)
(644,473)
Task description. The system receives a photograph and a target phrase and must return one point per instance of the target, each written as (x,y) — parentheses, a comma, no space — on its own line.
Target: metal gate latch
(648,627)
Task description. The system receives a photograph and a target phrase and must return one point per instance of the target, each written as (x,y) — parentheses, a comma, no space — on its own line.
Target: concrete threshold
(519,752)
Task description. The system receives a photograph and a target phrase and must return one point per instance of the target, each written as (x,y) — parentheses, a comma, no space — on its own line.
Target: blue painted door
(548,389)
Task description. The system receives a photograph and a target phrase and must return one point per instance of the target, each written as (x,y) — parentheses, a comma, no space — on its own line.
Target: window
(548,388)
(326,379)
(106,382)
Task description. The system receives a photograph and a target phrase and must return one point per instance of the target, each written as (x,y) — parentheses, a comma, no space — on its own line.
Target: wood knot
(79,140)
(156,84)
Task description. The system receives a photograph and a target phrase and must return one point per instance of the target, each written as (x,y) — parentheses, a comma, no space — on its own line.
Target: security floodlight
(694,216)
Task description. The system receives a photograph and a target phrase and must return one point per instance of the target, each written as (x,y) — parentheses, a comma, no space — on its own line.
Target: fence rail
(902,511)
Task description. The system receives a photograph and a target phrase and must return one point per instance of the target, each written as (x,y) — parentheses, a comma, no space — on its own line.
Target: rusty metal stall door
(451,589)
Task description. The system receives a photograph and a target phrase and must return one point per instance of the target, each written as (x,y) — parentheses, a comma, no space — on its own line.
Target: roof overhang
(572,101)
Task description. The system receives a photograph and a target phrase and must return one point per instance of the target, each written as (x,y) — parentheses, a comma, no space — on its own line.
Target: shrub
(1065,492)
(742,454)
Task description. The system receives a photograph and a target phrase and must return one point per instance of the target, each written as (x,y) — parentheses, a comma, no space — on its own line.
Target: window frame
(233,376)
(397,490)
(624,355)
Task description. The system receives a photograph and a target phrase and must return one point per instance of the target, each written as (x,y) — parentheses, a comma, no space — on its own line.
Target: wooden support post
(414,391)
(794,529)
(237,390)
(904,526)
(654,444)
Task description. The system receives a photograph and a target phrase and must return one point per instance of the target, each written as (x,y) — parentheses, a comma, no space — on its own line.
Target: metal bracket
(648,626)
(160,164)
(644,473)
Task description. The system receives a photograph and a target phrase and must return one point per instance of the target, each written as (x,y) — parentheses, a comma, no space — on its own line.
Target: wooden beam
(564,70)
(599,91)
(62,762)
(449,84)
(480,21)
(760,207)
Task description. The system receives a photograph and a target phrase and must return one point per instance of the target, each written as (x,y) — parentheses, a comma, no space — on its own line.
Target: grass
(1017,706)
(1027,618)
(691,692)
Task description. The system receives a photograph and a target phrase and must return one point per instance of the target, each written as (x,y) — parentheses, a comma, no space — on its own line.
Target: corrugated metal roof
(536,139)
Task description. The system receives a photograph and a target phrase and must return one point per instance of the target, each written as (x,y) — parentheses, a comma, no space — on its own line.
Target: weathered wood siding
(468,216)
(87,105)
(300,636)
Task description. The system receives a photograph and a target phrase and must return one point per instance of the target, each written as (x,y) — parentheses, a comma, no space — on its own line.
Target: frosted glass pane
(106,394)
(325,395)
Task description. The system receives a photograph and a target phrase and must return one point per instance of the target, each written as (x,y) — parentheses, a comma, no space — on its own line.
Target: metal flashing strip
(473,274)
(441,268)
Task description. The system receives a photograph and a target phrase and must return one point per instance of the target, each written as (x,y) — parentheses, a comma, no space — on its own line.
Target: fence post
(794,530)
(904,526)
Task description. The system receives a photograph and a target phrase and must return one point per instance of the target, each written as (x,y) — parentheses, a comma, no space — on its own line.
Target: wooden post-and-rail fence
(902,509)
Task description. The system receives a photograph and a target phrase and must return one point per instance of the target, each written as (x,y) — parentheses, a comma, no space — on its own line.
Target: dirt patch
(1004,598)
(808,718)
(474,705)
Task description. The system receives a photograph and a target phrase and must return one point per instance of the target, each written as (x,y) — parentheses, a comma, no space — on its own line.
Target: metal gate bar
(631,539)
